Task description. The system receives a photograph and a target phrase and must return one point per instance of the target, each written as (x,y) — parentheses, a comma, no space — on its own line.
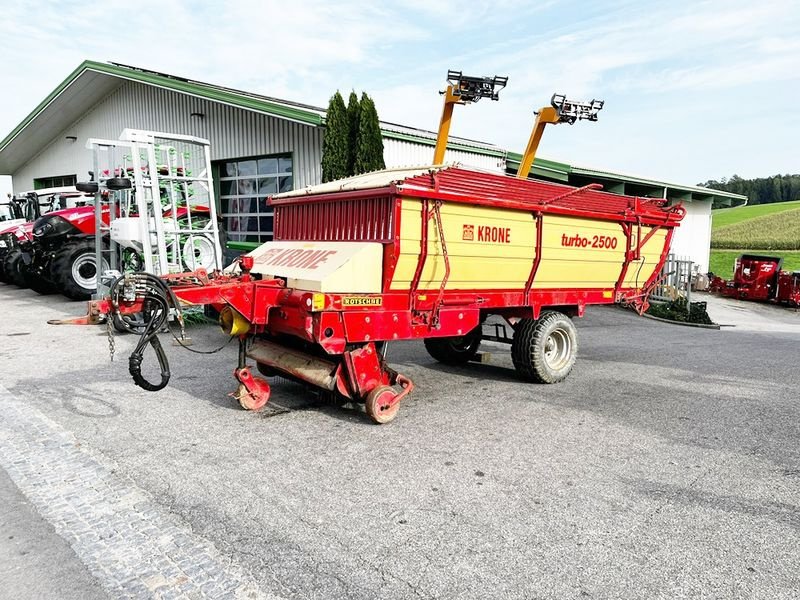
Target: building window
(244,186)
(54,182)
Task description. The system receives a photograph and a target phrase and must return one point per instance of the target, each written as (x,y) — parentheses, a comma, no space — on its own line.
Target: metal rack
(166,222)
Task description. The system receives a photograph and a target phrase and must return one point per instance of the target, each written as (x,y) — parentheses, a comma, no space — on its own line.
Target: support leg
(253,392)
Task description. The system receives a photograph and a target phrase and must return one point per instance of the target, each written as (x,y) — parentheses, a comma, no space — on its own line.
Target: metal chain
(110,333)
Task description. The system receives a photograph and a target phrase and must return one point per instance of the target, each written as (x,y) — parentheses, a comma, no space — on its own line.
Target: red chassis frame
(325,341)
(337,350)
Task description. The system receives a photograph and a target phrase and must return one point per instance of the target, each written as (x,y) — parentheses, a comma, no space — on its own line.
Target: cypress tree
(369,143)
(353,119)
(334,144)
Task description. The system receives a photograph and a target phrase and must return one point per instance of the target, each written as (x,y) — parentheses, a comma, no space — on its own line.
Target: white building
(262,145)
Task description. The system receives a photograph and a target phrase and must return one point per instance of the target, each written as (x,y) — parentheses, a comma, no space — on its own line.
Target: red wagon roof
(460,184)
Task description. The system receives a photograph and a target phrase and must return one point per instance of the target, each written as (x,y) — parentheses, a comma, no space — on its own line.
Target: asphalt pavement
(666,466)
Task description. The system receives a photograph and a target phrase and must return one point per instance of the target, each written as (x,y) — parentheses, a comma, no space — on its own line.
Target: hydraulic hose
(157,298)
(158,315)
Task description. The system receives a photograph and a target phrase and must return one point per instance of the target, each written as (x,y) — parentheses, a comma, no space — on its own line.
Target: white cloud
(668,70)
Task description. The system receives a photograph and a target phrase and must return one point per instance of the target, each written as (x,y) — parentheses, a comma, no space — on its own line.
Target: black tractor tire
(13,266)
(37,283)
(456,350)
(544,350)
(75,269)
(3,277)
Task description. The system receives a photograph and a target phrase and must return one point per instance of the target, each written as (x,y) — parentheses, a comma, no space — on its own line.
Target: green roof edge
(655,183)
(209,92)
(43,104)
(186,87)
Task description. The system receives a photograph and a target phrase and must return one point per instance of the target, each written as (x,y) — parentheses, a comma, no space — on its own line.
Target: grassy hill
(776,231)
(771,229)
(729,216)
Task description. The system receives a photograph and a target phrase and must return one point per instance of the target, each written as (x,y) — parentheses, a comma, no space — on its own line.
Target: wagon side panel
(579,253)
(488,248)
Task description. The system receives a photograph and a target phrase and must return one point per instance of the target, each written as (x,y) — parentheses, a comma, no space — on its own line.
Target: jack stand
(253,392)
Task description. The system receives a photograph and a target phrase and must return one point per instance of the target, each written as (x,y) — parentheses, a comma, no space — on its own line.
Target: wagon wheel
(544,350)
(456,350)
(253,392)
(378,404)
(250,400)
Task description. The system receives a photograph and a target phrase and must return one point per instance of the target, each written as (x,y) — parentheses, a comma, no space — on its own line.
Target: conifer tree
(353,119)
(335,143)
(369,143)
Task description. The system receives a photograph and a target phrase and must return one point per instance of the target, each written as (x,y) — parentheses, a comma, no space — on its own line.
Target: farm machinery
(16,234)
(425,253)
(151,178)
(761,279)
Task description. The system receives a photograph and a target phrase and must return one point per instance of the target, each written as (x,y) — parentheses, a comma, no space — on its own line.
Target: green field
(769,229)
(777,231)
(721,261)
(730,216)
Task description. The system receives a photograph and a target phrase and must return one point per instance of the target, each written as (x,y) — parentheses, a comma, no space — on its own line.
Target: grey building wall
(233,133)
(400,153)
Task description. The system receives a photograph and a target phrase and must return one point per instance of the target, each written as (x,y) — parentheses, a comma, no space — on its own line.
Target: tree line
(353,143)
(762,190)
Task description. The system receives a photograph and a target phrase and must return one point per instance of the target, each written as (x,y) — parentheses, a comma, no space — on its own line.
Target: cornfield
(779,231)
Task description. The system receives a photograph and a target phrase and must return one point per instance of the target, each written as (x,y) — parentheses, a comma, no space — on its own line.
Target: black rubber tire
(3,277)
(457,350)
(37,283)
(529,348)
(12,267)
(65,257)
(118,183)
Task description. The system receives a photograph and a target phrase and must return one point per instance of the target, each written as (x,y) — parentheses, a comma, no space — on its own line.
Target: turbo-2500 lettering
(596,241)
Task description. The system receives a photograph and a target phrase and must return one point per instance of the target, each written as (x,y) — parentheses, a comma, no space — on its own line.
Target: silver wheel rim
(199,252)
(84,271)
(557,349)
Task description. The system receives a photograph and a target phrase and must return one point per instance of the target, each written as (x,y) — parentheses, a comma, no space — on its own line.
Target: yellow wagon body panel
(494,248)
(488,248)
(580,253)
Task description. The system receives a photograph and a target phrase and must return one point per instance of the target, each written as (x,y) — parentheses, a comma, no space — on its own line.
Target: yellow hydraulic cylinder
(450,100)
(561,110)
(546,115)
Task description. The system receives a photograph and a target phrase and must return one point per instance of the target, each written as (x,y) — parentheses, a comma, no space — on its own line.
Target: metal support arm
(560,110)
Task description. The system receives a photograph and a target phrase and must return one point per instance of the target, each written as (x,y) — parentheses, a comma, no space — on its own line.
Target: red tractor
(16,236)
(760,278)
(60,254)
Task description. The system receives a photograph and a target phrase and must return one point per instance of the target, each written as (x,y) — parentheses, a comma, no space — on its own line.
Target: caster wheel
(379,404)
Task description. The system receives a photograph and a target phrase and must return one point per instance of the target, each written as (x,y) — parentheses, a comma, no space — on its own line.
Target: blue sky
(693,90)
